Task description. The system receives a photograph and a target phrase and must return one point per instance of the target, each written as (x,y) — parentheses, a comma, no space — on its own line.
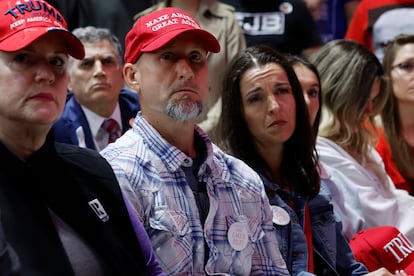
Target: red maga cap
(154,30)
(384,246)
(22,22)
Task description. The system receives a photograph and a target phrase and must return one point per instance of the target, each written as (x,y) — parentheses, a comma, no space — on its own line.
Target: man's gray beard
(184,111)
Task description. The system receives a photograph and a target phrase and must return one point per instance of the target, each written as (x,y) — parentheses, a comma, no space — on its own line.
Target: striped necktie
(113,129)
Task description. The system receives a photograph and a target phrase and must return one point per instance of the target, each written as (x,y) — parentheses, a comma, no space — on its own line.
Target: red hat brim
(209,41)
(20,39)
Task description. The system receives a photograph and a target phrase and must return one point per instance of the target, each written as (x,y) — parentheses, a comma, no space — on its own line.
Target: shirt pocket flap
(172,221)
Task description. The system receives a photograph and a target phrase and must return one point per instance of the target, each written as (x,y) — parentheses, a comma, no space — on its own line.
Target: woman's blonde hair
(348,71)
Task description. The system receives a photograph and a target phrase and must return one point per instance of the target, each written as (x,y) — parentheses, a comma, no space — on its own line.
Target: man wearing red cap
(61,209)
(205,211)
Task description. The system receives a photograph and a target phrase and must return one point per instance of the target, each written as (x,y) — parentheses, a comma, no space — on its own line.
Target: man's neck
(178,133)
(103,109)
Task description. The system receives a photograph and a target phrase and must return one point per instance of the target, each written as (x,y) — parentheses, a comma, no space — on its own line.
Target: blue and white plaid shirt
(149,171)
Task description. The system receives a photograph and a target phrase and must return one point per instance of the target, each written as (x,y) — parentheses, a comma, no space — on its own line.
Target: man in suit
(98,107)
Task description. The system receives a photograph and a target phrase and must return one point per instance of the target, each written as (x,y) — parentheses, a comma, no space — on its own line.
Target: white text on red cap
(166,20)
(400,247)
(33,6)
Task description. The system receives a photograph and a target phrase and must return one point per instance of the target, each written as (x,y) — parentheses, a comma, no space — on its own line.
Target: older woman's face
(402,75)
(269,106)
(33,82)
(310,88)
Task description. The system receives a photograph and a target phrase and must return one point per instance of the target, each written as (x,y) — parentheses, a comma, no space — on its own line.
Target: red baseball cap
(152,31)
(24,21)
(384,246)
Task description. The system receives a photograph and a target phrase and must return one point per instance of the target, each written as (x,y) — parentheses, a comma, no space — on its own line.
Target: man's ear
(132,76)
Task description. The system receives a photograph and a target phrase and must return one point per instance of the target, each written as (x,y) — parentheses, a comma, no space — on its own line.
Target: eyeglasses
(405,68)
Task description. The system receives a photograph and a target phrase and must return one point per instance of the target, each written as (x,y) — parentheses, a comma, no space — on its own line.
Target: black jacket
(72,182)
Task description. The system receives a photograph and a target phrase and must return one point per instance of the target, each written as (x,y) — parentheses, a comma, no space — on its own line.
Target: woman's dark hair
(299,163)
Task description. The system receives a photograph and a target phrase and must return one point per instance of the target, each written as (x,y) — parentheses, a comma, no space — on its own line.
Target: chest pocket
(323,226)
(253,225)
(229,253)
(171,238)
(321,209)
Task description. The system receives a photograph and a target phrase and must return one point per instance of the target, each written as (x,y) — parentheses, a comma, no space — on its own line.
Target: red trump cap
(24,21)
(152,31)
(384,246)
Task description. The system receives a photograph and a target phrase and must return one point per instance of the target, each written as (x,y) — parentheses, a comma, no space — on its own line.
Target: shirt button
(188,162)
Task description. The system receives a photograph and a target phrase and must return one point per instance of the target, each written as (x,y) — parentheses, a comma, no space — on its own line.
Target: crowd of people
(209,137)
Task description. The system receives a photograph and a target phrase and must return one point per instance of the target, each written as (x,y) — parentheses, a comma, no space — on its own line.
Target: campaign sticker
(280,216)
(238,236)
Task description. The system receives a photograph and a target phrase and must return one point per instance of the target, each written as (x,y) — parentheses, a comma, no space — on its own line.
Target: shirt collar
(210,7)
(172,156)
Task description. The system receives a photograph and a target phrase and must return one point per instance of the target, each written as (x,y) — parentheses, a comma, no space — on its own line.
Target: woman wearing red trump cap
(61,209)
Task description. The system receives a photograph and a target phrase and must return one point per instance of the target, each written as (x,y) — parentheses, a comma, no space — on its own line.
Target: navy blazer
(73,117)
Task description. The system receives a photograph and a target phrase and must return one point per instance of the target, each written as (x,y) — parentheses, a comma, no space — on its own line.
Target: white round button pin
(280,216)
(238,235)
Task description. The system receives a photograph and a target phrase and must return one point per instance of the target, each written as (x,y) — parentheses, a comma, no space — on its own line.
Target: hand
(384,272)
(401,273)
